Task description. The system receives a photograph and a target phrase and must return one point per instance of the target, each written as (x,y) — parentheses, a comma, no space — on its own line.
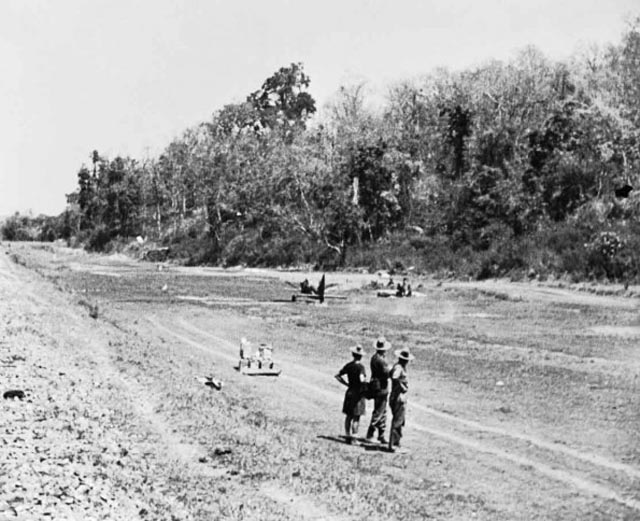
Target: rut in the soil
(450,435)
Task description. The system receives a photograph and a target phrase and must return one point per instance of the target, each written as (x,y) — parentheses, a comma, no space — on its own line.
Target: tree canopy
(507,166)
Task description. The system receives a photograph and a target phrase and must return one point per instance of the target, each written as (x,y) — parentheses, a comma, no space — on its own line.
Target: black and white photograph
(358,260)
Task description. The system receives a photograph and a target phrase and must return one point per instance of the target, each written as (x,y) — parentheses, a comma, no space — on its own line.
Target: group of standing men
(388,384)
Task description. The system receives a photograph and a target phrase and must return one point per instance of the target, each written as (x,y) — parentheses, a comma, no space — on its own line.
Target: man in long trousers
(398,398)
(379,389)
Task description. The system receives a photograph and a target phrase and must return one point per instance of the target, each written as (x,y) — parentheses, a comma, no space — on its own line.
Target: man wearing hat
(354,402)
(398,397)
(379,387)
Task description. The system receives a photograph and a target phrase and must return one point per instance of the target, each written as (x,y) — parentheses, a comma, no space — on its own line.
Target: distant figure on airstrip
(404,289)
(307,289)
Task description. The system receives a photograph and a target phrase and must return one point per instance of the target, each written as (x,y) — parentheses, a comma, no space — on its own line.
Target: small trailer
(257,360)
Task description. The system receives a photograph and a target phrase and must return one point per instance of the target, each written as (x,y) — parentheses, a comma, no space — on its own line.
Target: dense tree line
(525,166)
(20,227)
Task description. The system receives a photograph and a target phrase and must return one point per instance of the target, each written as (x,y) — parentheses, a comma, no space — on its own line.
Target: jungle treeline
(529,167)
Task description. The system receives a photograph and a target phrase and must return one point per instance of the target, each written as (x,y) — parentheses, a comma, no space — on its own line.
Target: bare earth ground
(523,404)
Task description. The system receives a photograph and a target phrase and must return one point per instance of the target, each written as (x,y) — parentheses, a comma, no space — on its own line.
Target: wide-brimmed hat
(382,344)
(357,350)
(404,354)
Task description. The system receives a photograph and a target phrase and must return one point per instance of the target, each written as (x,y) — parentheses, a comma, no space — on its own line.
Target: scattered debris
(10,362)
(221,451)
(93,308)
(12,394)
(16,358)
(258,362)
(210,381)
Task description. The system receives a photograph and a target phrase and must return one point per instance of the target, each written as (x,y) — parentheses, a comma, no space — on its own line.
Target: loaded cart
(257,360)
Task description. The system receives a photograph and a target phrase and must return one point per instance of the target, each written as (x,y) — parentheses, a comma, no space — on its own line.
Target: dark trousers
(397,422)
(378,417)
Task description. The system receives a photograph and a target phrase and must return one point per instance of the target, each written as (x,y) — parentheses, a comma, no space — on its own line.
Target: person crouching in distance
(354,402)
(404,289)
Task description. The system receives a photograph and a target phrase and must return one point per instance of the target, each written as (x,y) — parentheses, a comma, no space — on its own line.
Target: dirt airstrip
(524,399)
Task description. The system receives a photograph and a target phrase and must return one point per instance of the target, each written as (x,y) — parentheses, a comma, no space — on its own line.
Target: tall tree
(283,101)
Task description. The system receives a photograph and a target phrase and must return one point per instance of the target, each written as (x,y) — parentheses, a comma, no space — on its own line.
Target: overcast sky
(125,77)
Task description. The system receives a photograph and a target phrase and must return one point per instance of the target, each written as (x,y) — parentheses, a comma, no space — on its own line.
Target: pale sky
(126,77)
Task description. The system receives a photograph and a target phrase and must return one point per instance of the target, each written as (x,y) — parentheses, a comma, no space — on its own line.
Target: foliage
(41,228)
(17,228)
(508,168)
(283,102)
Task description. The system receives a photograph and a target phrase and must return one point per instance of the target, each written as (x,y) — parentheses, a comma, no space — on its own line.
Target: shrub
(99,239)
(17,228)
(604,255)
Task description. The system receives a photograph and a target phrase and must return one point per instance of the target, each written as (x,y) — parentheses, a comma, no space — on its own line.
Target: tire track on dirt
(166,439)
(304,507)
(582,484)
(234,358)
(30,298)
(5,274)
(144,406)
(12,272)
(524,291)
(593,459)
(7,269)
